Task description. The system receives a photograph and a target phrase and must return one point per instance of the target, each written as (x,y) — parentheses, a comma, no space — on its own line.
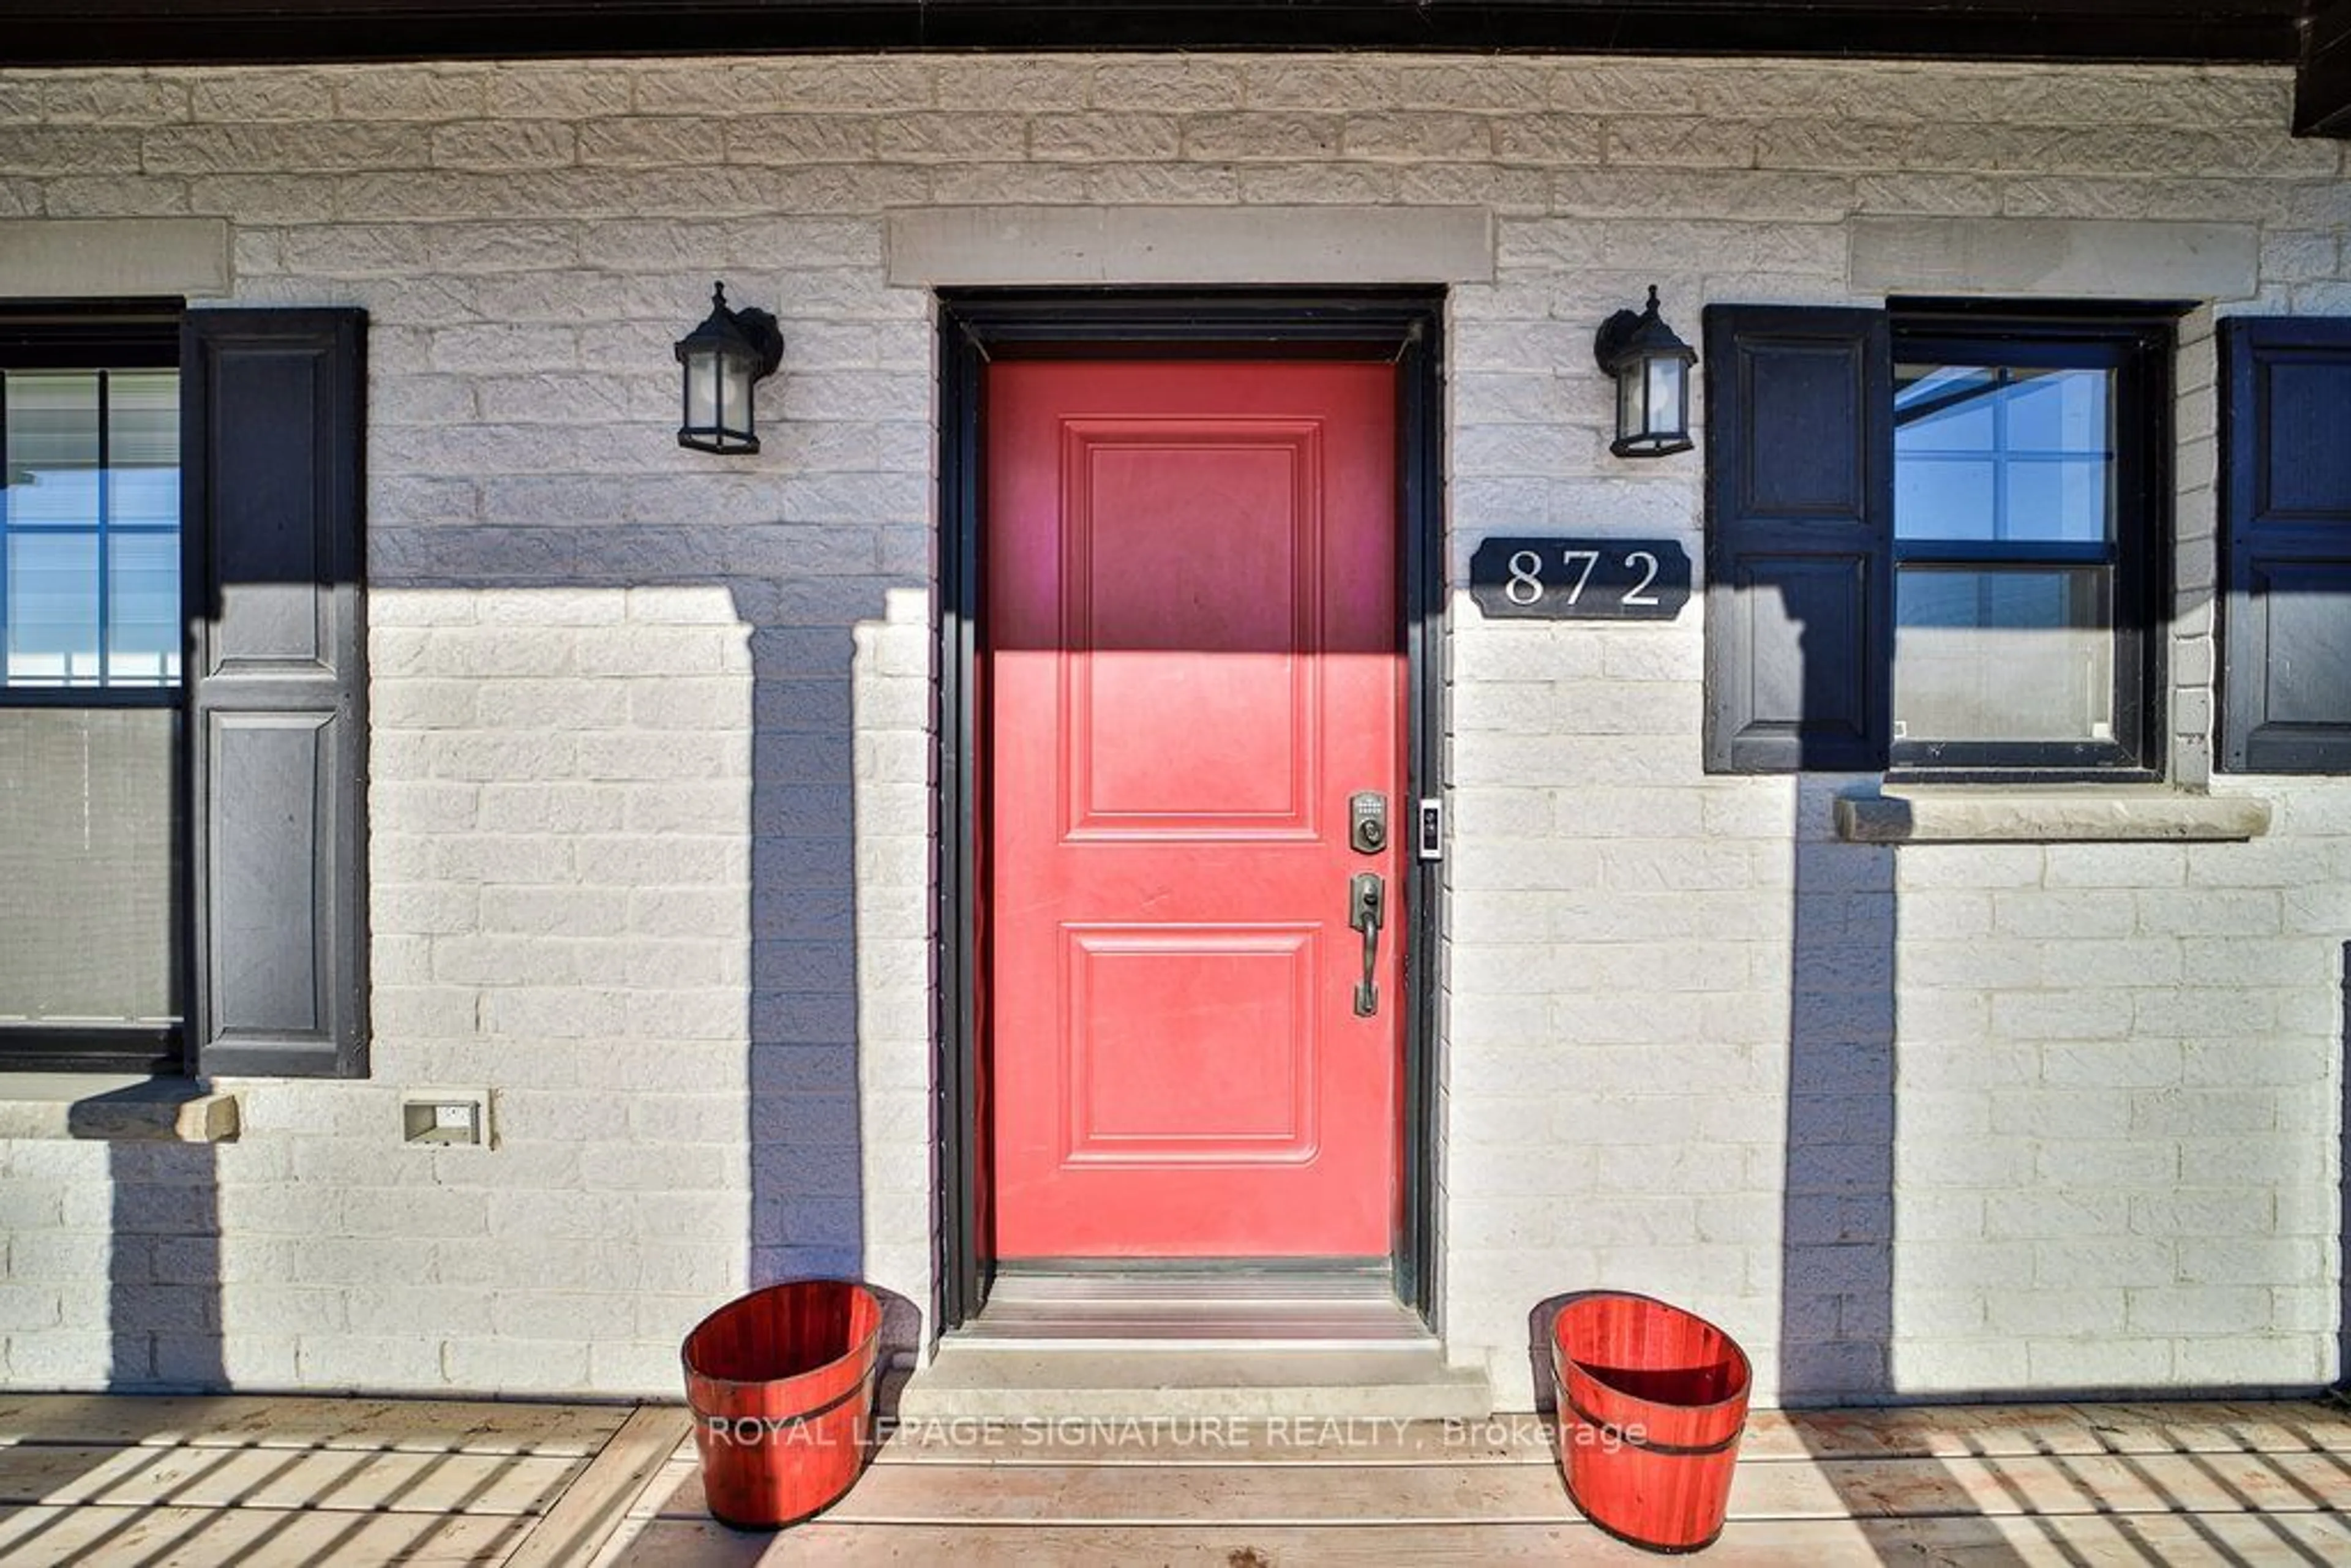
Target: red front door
(1192,666)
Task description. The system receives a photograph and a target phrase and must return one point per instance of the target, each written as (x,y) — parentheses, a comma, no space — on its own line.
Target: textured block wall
(652,771)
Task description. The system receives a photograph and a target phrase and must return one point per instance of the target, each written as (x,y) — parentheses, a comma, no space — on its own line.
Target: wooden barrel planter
(781,1383)
(1652,1400)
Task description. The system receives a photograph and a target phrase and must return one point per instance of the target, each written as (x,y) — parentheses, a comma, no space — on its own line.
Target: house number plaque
(1580,579)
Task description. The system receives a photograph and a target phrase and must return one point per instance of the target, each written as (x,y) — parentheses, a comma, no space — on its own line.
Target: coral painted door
(1193,665)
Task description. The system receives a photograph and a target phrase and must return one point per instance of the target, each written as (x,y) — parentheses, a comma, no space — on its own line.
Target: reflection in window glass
(90,529)
(1946,499)
(2003,453)
(2057,411)
(53,449)
(52,608)
(143,441)
(1944,408)
(2067,500)
(2004,655)
(143,585)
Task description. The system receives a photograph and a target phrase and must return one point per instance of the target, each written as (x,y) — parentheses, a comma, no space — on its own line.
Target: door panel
(1193,663)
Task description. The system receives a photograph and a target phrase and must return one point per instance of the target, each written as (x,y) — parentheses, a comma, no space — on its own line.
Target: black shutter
(1799,538)
(272,433)
(2285,440)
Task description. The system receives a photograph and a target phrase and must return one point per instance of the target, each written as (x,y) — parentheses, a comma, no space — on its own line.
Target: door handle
(1366,908)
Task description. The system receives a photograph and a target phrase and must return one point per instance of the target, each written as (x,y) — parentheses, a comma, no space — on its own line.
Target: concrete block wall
(652,736)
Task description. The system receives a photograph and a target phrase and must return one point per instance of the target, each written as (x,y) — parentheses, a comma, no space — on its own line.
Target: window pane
(2058,411)
(52,445)
(89,538)
(143,633)
(87,817)
(1943,408)
(52,609)
(142,449)
(2003,654)
(1945,499)
(2066,500)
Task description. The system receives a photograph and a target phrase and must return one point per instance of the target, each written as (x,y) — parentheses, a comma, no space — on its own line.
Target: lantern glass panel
(1665,398)
(735,400)
(702,392)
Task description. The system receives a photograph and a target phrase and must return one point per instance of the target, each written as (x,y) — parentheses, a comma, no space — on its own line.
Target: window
(1935,540)
(92,701)
(2021,538)
(182,692)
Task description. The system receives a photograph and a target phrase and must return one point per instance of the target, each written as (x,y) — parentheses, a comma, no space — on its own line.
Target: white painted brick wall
(629,702)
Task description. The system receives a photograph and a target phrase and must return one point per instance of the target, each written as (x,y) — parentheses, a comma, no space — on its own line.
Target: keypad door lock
(1368,821)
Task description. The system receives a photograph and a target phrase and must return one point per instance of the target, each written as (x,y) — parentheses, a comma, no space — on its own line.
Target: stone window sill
(114,1109)
(2047,814)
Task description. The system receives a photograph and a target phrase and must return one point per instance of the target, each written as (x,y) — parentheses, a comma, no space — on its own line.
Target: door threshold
(1206,1306)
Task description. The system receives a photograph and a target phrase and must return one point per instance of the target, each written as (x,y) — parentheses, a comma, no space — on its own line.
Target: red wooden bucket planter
(1652,1400)
(781,1383)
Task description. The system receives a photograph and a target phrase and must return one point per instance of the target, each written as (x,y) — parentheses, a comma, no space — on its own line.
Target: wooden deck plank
(1099,1495)
(2043,1484)
(706,1543)
(88,1535)
(1961,1431)
(1281,1495)
(1522,1439)
(417,1425)
(602,1494)
(1525,1438)
(642,1513)
(341,1479)
(2265,1427)
(2249,1540)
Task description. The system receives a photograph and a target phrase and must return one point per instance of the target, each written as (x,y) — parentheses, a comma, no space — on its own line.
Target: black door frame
(1401,325)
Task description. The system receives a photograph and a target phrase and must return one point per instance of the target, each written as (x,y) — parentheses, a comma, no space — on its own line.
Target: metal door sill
(1207,1306)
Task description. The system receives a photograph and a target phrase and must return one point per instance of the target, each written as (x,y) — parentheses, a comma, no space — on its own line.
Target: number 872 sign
(1580,579)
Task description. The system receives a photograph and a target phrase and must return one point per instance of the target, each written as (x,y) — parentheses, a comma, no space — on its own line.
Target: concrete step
(1276,1379)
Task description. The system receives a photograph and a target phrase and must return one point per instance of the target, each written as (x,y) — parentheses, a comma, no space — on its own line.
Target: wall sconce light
(1652,370)
(723,358)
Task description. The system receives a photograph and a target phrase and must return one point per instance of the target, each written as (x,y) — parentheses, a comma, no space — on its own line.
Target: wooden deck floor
(123,1482)
(111,1481)
(2061,1483)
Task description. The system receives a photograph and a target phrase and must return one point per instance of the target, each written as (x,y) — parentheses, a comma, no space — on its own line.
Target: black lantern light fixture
(723,358)
(1652,370)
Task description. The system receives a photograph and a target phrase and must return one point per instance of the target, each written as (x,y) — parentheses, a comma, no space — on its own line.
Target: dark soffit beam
(61,32)
(2322,88)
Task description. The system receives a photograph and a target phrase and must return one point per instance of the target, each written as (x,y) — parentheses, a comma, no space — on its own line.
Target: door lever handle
(1367,909)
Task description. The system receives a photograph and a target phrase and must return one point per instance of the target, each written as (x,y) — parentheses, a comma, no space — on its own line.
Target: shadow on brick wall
(1836,1266)
(806,1138)
(806,1102)
(163,1279)
(164,1312)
